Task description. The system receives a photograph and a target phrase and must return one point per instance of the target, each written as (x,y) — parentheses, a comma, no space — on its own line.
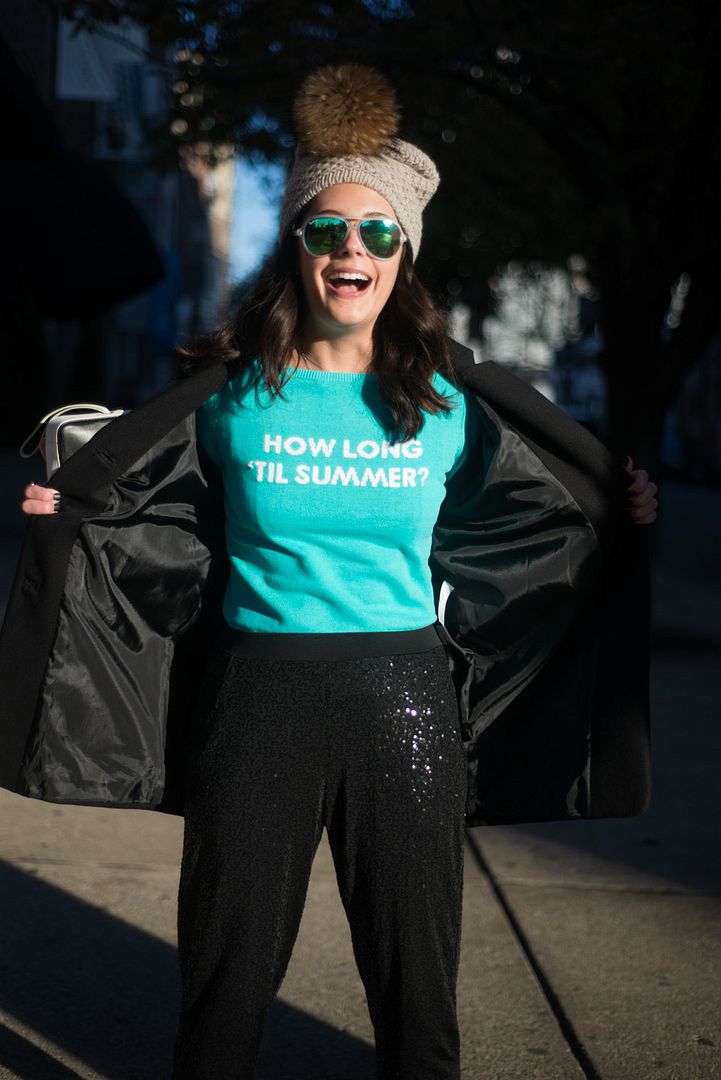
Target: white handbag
(63,431)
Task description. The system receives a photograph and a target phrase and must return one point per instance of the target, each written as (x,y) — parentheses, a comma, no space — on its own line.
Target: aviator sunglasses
(381,237)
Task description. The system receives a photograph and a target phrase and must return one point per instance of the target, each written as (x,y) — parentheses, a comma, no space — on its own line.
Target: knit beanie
(346,120)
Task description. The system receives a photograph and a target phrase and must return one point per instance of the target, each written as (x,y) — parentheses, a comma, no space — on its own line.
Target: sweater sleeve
(472,431)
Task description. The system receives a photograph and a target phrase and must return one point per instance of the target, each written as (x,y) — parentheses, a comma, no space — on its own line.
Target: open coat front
(540,577)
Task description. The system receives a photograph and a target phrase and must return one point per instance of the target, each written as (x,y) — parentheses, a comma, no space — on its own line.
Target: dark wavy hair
(410,340)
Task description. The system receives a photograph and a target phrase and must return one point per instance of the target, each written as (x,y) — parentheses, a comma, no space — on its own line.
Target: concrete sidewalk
(589,949)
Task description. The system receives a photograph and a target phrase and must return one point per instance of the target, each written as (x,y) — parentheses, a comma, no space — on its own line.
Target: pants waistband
(348,646)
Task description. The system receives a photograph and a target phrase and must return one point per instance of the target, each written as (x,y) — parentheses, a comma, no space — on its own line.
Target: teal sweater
(328,523)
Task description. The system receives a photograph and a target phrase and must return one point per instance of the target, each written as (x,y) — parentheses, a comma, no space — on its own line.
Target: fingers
(644,496)
(644,504)
(40,500)
(644,516)
(640,480)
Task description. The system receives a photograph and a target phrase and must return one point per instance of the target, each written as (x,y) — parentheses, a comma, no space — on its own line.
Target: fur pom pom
(345,109)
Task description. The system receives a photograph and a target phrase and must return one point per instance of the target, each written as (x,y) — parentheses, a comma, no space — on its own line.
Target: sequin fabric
(370,749)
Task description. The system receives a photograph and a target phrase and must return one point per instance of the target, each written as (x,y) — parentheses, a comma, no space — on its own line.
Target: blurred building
(115,256)
(543,329)
(579,382)
(691,447)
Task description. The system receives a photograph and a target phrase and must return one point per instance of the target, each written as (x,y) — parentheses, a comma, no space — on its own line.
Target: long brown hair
(410,340)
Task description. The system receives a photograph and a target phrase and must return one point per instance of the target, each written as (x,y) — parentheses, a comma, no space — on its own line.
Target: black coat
(540,574)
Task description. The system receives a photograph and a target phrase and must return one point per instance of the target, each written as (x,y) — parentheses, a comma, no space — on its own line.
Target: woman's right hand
(40,500)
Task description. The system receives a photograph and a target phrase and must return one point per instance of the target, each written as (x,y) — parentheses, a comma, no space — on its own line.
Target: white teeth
(350,276)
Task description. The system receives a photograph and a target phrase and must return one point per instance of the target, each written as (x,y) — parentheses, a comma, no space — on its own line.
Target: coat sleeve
(105,590)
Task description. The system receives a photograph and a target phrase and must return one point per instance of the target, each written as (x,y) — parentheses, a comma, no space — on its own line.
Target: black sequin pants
(369,748)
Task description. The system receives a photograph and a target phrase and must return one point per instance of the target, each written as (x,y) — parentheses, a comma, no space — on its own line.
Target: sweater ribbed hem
(344,646)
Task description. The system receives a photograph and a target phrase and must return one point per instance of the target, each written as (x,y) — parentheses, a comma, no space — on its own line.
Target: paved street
(589,949)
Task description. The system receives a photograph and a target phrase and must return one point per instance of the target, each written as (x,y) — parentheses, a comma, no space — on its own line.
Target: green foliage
(561,127)
(550,123)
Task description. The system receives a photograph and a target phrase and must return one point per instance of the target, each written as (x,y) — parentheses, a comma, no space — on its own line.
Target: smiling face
(338,304)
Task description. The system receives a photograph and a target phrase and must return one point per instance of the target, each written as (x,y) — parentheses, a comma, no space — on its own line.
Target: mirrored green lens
(381,237)
(323,235)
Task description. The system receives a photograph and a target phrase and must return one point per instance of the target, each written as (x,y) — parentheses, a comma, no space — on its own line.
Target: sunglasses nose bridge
(352,225)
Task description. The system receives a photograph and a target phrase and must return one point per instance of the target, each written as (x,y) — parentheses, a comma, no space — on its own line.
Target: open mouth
(348,283)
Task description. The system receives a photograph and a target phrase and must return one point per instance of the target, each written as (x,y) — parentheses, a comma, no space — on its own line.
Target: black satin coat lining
(522,559)
(134,582)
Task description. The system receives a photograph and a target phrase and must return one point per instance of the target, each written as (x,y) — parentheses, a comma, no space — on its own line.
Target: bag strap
(80,406)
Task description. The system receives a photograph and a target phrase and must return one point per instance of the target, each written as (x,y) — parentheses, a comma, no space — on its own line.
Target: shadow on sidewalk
(675,845)
(106,994)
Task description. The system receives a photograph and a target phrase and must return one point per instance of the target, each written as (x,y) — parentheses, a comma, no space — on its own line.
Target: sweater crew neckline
(322,375)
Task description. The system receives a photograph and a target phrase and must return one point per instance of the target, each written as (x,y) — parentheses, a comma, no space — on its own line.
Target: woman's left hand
(642,496)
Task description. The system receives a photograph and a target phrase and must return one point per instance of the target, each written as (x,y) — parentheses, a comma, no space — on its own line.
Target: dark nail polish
(58,507)
(57,496)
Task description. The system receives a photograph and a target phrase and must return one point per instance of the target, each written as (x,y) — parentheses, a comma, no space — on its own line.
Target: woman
(349,451)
